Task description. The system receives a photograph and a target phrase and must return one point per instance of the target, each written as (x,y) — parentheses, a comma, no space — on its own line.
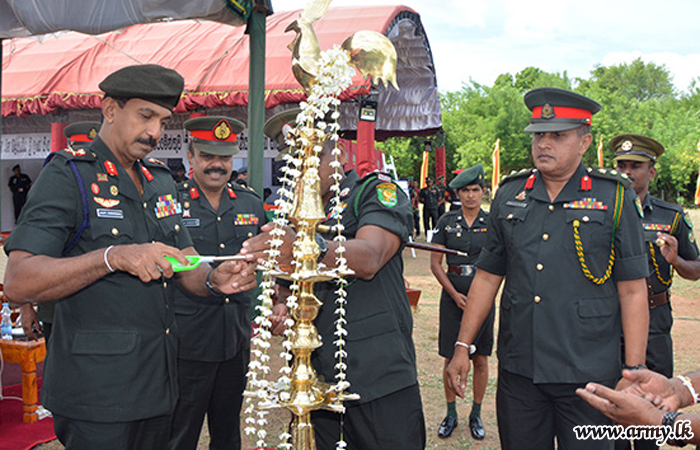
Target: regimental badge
(186,212)
(246,219)
(102,178)
(638,205)
(521,196)
(106,202)
(687,220)
(167,206)
(626,146)
(586,203)
(222,130)
(287,128)
(386,193)
(547,111)
(92,134)
(79,152)
(146,173)
(114,190)
(111,168)
(383,177)
(95,188)
(334,212)
(664,228)
(344,192)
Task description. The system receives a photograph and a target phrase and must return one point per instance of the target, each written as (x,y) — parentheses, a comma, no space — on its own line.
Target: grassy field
(685,331)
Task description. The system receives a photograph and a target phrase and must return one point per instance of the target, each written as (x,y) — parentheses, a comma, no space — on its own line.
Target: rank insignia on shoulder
(686,219)
(156,161)
(386,193)
(72,151)
(383,177)
(106,202)
(638,206)
(586,203)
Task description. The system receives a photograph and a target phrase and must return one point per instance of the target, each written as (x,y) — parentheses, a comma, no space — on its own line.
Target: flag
(424,169)
(496,160)
(600,152)
(697,184)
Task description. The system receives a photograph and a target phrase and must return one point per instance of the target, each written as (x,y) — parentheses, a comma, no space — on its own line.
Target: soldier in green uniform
(214,333)
(381,356)
(464,230)
(568,241)
(670,244)
(79,135)
(429,197)
(19,184)
(94,236)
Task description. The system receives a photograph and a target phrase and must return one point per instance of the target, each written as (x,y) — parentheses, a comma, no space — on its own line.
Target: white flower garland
(335,75)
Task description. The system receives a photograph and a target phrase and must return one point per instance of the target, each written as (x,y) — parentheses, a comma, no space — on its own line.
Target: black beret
(150,82)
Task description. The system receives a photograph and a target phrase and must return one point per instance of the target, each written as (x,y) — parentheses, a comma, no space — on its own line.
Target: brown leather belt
(658,299)
(465,270)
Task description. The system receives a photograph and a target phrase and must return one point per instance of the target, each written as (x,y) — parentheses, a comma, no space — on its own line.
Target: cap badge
(547,111)
(222,130)
(287,129)
(92,134)
(627,146)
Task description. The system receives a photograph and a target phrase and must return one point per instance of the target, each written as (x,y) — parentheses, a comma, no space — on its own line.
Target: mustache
(151,142)
(215,169)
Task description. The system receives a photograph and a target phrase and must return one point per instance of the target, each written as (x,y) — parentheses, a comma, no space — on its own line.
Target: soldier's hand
(257,245)
(232,277)
(457,371)
(460,300)
(625,409)
(666,394)
(669,249)
(279,318)
(29,321)
(145,261)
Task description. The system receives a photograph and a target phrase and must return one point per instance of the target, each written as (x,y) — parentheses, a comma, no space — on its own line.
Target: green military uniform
(113,350)
(429,197)
(381,356)
(560,316)
(79,135)
(214,331)
(454,233)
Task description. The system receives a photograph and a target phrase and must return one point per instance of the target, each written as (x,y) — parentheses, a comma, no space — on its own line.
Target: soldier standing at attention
(214,332)
(19,185)
(666,224)
(94,235)
(568,241)
(428,196)
(464,230)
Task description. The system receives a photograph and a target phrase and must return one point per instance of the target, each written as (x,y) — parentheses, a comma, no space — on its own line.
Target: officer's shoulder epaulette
(153,163)
(75,154)
(609,174)
(239,188)
(666,205)
(515,175)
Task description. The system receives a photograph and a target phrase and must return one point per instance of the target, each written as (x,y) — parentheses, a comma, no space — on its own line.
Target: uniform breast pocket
(111,232)
(592,229)
(512,221)
(170,228)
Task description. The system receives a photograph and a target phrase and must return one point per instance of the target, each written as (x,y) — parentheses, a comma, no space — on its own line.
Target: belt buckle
(467,270)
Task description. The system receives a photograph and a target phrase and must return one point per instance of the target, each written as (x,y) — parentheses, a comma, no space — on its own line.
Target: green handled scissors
(196,260)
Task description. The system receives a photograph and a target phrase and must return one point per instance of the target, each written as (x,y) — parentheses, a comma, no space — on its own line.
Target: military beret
(634,147)
(150,82)
(217,135)
(472,175)
(243,169)
(16,166)
(555,109)
(81,132)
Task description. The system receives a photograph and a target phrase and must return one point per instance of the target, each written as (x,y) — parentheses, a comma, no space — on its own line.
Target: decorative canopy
(61,71)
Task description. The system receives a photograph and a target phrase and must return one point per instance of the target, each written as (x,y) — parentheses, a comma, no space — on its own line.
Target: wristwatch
(637,367)
(322,246)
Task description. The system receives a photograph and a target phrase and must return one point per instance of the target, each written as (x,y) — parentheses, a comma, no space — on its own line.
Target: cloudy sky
(480,39)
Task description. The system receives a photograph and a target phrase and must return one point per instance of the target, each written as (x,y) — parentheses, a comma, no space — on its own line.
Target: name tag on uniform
(191,223)
(516,204)
(109,213)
